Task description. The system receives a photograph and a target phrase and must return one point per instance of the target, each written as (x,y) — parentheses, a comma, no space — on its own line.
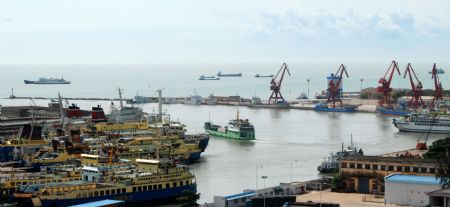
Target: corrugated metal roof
(99,203)
(412,179)
(239,195)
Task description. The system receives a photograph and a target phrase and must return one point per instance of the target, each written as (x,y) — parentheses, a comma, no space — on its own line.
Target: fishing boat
(324,107)
(438,71)
(156,181)
(237,129)
(331,163)
(203,77)
(220,74)
(263,76)
(48,81)
(424,122)
(392,111)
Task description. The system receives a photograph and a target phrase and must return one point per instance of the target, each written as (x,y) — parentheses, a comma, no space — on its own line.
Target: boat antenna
(351,140)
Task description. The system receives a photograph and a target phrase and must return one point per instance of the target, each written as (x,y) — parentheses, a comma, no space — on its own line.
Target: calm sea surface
(282,136)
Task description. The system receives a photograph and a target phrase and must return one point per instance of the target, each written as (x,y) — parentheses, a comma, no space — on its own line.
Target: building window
(382,167)
(235,201)
(432,170)
(367,166)
(374,167)
(352,165)
(391,168)
(423,170)
(399,168)
(343,165)
(359,166)
(167,185)
(407,169)
(134,189)
(416,169)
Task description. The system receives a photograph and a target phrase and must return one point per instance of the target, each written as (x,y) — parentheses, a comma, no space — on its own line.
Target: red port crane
(438,91)
(416,87)
(334,86)
(275,85)
(385,83)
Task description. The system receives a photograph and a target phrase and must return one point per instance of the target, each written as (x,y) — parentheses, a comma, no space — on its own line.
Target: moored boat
(204,77)
(331,163)
(263,76)
(424,122)
(324,107)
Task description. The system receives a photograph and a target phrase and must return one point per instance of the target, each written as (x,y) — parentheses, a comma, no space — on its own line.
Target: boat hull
(150,198)
(339,109)
(229,135)
(435,128)
(45,83)
(392,112)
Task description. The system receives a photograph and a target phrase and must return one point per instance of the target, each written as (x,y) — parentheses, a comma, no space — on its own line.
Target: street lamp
(292,163)
(361,95)
(264,195)
(308,86)
(256,176)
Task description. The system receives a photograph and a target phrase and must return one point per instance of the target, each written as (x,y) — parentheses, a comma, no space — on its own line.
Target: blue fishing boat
(324,107)
(393,111)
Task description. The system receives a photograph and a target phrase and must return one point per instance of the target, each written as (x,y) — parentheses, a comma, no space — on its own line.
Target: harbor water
(286,140)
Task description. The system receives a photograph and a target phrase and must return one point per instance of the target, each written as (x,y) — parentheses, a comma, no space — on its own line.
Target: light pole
(264,195)
(308,86)
(292,163)
(256,176)
(361,95)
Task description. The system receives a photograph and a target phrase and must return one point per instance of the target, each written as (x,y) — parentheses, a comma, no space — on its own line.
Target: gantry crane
(335,86)
(438,91)
(385,84)
(416,87)
(275,85)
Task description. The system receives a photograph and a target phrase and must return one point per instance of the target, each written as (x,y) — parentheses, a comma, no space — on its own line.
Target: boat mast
(120,97)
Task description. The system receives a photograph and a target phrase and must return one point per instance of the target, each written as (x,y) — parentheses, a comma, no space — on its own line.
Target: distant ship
(48,81)
(220,74)
(428,122)
(204,77)
(237,129)
(263,76)
(439,71)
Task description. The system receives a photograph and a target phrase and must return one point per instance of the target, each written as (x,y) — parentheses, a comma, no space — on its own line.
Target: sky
(233,31)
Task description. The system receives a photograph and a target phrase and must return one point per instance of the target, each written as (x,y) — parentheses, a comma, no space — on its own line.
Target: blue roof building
(410,190)
(102,203)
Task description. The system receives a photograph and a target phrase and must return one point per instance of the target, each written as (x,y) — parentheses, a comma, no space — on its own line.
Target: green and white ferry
(240,129)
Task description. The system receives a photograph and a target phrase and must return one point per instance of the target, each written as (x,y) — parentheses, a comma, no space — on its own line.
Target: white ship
(428,122)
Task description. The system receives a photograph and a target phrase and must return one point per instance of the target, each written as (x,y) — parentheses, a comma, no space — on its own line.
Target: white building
(409,190)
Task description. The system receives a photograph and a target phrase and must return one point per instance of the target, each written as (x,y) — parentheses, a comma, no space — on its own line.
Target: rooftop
(405,160)
(239,195)
(412,179)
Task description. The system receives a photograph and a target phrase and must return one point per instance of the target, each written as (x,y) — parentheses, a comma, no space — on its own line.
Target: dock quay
(67,98)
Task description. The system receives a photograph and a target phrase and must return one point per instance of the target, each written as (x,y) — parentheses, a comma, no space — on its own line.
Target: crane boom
(385,84)
(275,85)
(416,100)
(438,90)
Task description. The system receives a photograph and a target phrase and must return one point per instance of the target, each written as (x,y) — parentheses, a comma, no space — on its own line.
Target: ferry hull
(412,127)
(150,198)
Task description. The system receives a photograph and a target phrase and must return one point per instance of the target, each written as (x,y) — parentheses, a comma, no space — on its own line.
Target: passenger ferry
(428,122)
(151,182)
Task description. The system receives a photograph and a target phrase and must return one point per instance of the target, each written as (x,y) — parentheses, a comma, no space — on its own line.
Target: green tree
(440,151)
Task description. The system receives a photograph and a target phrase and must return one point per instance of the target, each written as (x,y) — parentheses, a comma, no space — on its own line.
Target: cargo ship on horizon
(47,81)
